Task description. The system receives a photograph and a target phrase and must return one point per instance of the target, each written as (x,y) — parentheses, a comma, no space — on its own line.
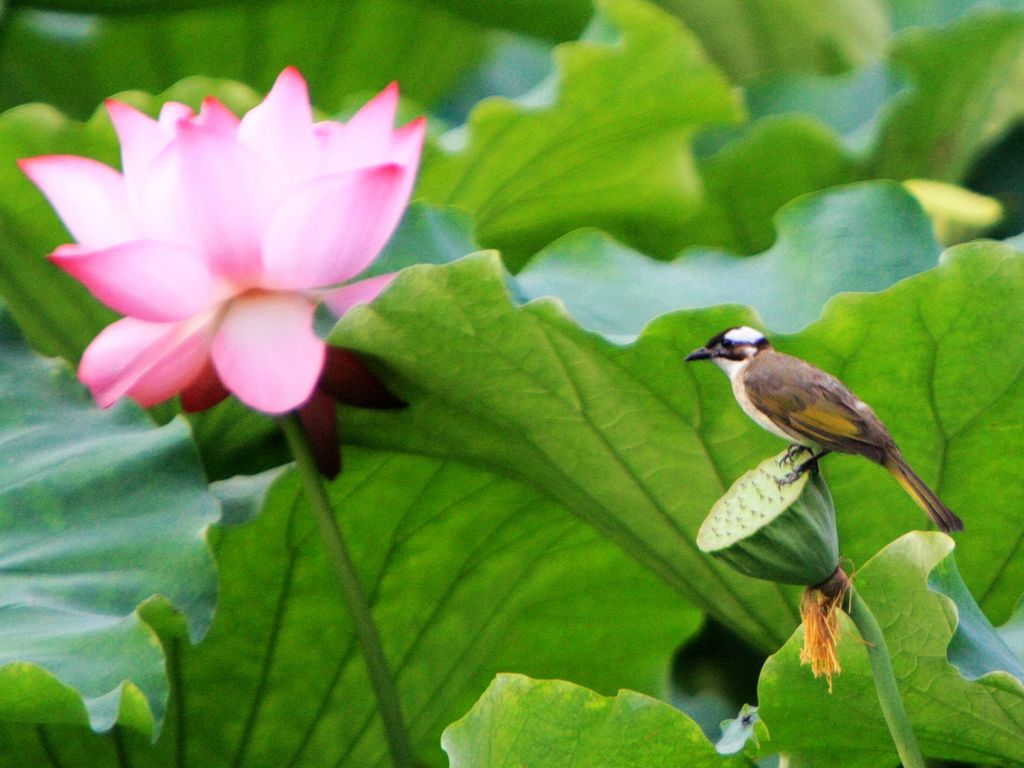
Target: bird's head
(732,348)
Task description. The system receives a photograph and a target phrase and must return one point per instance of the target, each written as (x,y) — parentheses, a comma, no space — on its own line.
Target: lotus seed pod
(779,532)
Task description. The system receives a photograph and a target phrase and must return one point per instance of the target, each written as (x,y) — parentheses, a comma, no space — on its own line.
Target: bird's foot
(811,464)
(789,478)
(792,451)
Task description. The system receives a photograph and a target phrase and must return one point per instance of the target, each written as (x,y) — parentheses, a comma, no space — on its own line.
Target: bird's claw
(789,478)
(794,450)
(811,465)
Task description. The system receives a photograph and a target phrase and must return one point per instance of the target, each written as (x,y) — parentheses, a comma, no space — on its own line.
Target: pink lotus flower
(222,236)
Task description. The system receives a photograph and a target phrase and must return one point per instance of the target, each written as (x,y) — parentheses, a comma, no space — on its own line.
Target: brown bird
(813,410)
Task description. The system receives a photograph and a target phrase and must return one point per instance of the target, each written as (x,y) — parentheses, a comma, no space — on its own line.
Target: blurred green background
(688,128)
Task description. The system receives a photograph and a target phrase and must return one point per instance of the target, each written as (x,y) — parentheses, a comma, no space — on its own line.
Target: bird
(813,410)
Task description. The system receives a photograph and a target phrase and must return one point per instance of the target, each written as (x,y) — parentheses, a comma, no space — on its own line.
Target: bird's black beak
(698,354)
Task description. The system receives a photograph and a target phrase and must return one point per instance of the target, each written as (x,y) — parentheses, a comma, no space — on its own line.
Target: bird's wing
(816,405)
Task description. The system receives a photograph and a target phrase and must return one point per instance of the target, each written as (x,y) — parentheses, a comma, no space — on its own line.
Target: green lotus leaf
(772,162)
(961,102)
(536,723)
(1012,632)
(911,14)
(753,38)
(104,519)
(936,634)
(851,104)
(603,142)
(535,17)
(468,574)
(822,249)
(640,446)
(75,60)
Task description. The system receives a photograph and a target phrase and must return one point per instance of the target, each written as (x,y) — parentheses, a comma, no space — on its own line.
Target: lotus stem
(885,682)
(383,683)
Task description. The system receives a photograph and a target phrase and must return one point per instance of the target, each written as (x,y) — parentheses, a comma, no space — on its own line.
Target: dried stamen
(819,612)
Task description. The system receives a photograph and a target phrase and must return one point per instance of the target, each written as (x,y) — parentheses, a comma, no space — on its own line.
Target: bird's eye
(727,343)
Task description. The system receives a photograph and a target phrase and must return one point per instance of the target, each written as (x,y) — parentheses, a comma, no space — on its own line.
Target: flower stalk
(885,682)
(381,679)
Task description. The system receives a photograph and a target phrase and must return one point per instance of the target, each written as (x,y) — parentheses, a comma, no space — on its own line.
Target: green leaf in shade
(468,573)
(426,235)
(907,14)
(954,716)
(640,446)
(752,38)
(604,142)
(852,104)
(101,513)
(929,110)
(535,17)
(976,648)
(242,497)
(514,66)
(1012,632)
(541,723)
(823,248)
(119,6)
(962,99)
(999,173)
(774,161)
(75,61)
(542,18)
(232,438)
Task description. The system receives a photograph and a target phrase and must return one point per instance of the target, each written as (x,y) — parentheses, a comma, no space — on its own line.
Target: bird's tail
(923,495)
